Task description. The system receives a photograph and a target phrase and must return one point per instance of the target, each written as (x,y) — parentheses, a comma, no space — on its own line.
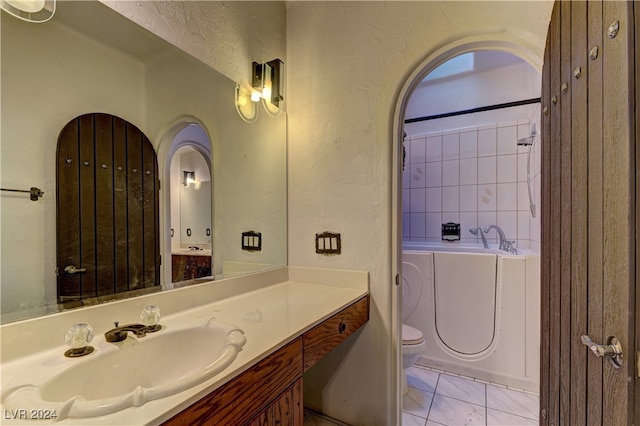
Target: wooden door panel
(149,214)
(565,219)
(135,206)
(595,211)
(104,142)
(617,196)
(107,208)
(551,225)
(120,198)
(87,235)
(587,213)
(577,215)
(636,16)
(68,218)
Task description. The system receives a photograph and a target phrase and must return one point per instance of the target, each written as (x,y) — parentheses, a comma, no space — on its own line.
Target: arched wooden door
(589,215)
(107,208)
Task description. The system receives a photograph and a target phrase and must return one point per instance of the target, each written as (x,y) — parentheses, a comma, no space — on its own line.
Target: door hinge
(397,279)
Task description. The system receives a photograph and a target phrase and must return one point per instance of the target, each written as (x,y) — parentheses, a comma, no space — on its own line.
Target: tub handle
(612,350)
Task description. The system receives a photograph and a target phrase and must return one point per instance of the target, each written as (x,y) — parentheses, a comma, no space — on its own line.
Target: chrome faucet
(500,234)
(475,232)
(505,244)
(118,334)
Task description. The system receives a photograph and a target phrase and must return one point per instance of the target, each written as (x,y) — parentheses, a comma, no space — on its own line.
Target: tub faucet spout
(500,232)
(475,232)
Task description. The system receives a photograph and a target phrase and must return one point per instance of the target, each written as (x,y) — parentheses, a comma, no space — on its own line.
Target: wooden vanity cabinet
(287,410)
(189,267)
(270,392)
(324,337)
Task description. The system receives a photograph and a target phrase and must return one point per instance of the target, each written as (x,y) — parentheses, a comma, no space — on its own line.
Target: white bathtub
(486,328)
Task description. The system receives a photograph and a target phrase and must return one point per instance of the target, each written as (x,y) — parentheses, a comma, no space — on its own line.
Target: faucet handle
(78,338)
(150,316)
(509,246)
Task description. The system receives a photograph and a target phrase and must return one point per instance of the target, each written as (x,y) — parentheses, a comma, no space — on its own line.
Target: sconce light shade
(246,104)
(268,80)
(36,11)
(188,177)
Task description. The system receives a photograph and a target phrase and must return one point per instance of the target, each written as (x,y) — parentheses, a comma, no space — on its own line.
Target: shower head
(528,141)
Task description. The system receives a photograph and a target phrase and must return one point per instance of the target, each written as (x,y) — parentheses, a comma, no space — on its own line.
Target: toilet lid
(411,336)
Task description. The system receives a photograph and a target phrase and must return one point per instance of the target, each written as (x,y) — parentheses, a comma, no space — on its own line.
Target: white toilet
(412,346)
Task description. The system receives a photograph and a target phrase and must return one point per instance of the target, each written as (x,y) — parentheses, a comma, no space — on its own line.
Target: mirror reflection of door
(107,209)
(191,224)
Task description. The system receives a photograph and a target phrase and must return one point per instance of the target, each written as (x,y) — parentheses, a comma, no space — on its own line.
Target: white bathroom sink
(129,373)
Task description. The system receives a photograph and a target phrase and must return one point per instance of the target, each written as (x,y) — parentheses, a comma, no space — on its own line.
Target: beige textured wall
(227,36)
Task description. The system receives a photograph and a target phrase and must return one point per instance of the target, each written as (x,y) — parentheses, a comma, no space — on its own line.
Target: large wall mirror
(90,59)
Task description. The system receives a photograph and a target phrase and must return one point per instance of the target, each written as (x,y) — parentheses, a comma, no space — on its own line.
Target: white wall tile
(468,220)
(434,225)
(487,170)
(451,146)
(507,140)
(522,244)
(406,200)
(485,219)
(522,167)
(469,198)
(487,197)
(475,176)
(433,174)
(523,196)
(416,151)
(468,171)
(418,175)
(450,217)
(524,130)
(417,202)
(433,199)
(406,177)
(508,221)
(507,196)
(434,148)
(469,144)
(450,199)
(534,229)
(406,225)
(507,168)
(451,173)
(418,225)
(487,126)
(487,142)
(523,226)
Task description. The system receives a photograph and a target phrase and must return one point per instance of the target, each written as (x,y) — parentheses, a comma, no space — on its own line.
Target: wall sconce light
(245,104)
(36,11)
(188,177)
(268,81)
(267,85)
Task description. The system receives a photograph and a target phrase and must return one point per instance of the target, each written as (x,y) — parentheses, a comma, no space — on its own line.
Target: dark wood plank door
(588,213)
(107,208)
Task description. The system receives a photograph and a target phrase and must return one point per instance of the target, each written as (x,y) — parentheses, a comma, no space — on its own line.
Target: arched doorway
(188,136)
(403,188)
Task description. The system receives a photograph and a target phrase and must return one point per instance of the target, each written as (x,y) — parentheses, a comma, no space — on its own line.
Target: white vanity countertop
(189,252)
(270,317)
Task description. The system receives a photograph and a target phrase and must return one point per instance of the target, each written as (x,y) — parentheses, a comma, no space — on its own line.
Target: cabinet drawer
(323,338)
